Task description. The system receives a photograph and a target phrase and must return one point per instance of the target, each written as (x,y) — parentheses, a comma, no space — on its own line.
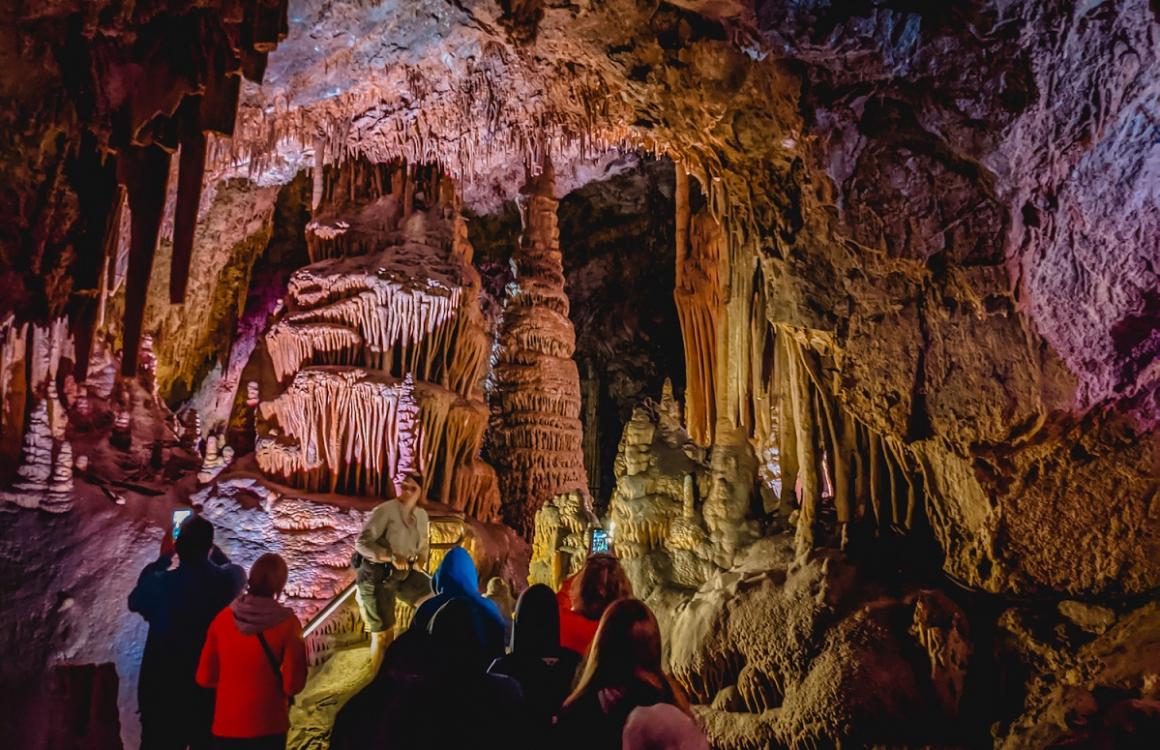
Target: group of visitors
(223,656)
(580,668)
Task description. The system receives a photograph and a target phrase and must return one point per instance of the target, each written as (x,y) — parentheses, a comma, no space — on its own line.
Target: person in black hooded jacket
(179,605)
(536,661)
(432,692)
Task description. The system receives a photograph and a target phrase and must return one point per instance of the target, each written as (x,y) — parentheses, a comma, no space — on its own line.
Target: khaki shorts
(377,591)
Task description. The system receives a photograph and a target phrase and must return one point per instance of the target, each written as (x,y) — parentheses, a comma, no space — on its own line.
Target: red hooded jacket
(251,700)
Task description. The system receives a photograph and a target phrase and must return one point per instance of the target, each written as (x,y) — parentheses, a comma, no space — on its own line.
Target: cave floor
(328,687)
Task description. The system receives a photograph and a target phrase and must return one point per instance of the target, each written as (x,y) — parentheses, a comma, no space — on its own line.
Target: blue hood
(457,578)
(456,575)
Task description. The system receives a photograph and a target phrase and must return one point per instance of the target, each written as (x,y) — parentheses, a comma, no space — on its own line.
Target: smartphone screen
(599,540)
(178,517)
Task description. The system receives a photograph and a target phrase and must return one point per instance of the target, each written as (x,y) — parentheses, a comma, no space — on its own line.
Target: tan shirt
(386,534)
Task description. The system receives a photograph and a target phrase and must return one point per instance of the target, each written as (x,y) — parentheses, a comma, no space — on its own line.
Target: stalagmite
(59,498)
(536,438)
(36,466)
(215,459)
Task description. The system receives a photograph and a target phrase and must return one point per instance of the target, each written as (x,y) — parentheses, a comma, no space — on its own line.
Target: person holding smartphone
(389,560)
(179,606)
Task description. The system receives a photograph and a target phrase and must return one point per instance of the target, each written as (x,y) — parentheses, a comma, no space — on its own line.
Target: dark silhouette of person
(432,692)
(179,605)
(536,660)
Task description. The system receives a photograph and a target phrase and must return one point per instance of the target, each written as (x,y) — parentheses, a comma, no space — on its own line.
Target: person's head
(268,576)
(536,627)
(456,574)
(498,587)
(627,650)
(455,634)
(412,489)
(662,727)
(194,539)
(500,592)
(600,582)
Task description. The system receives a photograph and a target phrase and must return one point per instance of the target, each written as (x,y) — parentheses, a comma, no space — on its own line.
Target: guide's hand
(400,562)
(167,545)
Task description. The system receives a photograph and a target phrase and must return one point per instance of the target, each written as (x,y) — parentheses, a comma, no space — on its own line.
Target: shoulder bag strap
(273,662)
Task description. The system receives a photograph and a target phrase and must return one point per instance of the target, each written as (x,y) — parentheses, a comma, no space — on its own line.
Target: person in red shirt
(254,680)
(584,597)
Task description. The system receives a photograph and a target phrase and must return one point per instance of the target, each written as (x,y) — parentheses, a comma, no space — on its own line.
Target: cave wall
(944,226)
(933,230)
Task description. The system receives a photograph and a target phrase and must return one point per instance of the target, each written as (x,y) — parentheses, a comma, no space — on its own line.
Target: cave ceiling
(812,297)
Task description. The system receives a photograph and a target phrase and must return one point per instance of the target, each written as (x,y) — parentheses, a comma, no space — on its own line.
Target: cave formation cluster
(842,318)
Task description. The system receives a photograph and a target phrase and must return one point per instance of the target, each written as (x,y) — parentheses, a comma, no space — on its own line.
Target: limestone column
(536,436)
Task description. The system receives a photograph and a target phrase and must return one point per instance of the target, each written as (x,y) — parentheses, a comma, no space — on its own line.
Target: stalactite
(804,442)
(191,171)
(787,421)
(699,310)
(875,476)
(108,269)
(145,173)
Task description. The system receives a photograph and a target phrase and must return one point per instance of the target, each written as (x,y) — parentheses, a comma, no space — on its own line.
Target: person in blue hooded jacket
(456,578)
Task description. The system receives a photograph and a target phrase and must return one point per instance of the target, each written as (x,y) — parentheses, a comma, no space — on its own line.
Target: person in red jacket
(254,679)
(598,584)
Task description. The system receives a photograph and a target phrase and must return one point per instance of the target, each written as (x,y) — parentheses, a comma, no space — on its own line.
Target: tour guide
(389,558)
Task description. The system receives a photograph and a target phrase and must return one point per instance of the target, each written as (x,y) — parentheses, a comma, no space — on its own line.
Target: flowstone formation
(379,354)
(536,439)
(371,367)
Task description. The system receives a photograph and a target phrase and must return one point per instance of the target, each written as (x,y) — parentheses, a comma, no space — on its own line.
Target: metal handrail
(338,600)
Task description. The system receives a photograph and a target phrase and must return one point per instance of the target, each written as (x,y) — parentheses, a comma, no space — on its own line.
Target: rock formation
(380,357)
(36,461)
(563,526)
(536,439)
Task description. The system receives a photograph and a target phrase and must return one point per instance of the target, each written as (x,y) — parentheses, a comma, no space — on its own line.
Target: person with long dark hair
(622,672)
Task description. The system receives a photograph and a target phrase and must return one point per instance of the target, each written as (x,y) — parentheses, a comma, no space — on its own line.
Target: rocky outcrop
(811,654)
(536,437)
(1095,675)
